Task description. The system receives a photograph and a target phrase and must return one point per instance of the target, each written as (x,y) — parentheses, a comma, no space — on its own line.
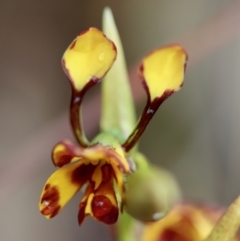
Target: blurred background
(195,133)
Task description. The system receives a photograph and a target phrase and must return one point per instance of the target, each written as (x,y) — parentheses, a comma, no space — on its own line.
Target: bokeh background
(195,134)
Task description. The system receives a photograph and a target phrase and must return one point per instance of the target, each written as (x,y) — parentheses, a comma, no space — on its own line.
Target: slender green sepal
(118,113)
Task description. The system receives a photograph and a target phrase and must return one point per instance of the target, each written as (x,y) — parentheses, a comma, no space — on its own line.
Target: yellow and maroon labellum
(100,167)
(88,58)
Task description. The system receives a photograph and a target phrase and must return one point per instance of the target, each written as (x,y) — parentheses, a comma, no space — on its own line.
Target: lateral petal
(88,58)
(162,73)
(163,70)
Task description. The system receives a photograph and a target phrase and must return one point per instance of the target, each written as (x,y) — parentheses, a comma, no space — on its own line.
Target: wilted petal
(62,186)
(88,58)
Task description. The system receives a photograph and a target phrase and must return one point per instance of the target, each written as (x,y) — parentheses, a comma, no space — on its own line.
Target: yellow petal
(85,205)
(163,70)
(62,186)
(120,183)
(88,58)
(162,73)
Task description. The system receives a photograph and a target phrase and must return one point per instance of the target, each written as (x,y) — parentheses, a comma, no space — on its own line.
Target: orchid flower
(195,222)
(105,163)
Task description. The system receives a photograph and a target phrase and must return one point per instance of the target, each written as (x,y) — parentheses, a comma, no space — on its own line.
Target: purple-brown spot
(81,213)
(50,201)
(141,69)
(148,112)
(106,172)
(63,157)
(73,44)
(66,71)
(114,48)
(64,160)
(83,32)
(172,235)
(83,173)
(103,210)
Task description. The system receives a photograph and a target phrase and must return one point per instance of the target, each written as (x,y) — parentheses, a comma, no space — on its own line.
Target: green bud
(150,192)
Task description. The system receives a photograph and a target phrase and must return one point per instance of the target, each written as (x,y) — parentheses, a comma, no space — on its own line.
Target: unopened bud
(150,192)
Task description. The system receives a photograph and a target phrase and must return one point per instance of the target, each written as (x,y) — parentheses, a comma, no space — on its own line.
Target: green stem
(76,119)
(125,228)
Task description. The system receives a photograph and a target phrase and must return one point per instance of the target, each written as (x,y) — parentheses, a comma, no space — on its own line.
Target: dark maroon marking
(64,157)
(148,112)
(141,69)
(50,200)
(114,48)
(73,44)
(83,173)
(103,210)
(55,211)
(64,160)
(106,172)
(84,31)
(172,235)
(81,212)
(75,113)
(65,69)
